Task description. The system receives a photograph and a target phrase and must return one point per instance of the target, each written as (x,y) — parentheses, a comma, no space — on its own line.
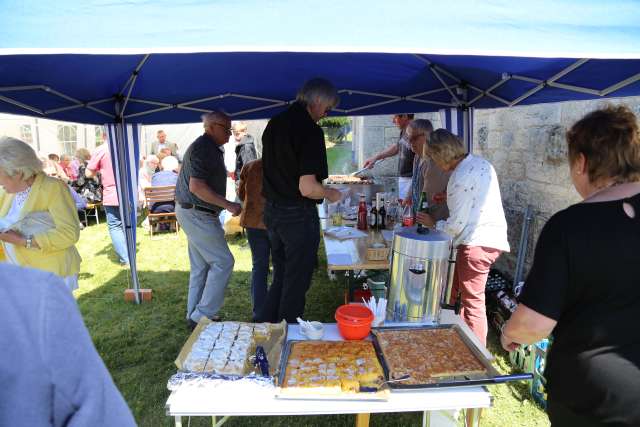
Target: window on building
(99,130)
(25,134)
(68,138)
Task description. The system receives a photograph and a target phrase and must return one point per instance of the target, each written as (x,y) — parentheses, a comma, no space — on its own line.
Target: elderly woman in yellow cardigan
(25,189)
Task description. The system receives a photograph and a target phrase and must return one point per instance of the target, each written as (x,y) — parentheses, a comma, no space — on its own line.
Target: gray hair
(239,125)
(421,125)
(169,163)
(318,90)
(209,119)
(17,157)
(444,147)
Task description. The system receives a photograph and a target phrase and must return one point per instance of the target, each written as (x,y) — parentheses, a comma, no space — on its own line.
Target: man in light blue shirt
(51,373)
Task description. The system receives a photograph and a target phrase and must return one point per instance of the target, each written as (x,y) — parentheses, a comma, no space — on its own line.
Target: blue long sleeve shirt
(50,372)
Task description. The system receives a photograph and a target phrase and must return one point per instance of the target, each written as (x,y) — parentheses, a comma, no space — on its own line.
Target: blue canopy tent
(126,64)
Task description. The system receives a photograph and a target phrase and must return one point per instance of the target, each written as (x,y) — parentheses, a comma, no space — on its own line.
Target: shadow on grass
(518,389)
(111,253)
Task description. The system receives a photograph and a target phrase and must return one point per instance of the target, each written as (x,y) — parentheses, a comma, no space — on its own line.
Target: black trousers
(294,233)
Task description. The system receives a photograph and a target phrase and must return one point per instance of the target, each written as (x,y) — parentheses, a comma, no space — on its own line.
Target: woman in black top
(585,281)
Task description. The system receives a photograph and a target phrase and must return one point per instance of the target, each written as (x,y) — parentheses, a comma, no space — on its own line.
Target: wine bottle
(423,207)
(362,213)
(373,216)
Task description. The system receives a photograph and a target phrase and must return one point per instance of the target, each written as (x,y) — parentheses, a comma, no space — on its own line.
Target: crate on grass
(500,307)
(539,390)
(378,288)
(496,281)
(521,358)
(539,383)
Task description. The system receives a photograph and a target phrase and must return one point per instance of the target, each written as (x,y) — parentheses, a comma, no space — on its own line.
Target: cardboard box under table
(238,399)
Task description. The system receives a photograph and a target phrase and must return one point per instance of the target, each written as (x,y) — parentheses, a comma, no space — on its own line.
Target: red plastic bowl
(354,321)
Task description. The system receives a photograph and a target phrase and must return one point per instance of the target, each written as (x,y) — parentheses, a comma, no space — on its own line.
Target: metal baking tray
(380,394)
(490,377)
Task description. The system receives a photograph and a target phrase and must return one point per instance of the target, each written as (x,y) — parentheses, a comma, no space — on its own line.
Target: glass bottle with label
(391,216)
(407,215)
(424,208)
(362,213)
(373,216)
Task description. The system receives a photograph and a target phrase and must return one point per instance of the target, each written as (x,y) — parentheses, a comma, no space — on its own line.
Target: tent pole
(126,194)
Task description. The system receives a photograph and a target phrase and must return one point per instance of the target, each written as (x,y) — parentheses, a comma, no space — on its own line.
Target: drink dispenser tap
(447,302)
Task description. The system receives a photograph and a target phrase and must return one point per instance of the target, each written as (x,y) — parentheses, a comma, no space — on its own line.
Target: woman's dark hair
(610,140)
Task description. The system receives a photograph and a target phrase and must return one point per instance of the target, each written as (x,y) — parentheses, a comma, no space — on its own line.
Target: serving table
(188,401)
(348,257)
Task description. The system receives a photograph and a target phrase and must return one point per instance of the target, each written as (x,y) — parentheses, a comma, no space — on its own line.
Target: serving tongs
(358,172)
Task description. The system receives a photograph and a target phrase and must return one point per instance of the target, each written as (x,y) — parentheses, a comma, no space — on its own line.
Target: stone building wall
(527,147)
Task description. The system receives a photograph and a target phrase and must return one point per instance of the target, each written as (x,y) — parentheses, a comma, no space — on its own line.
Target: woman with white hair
(149,167)
(27,193)
(476,223)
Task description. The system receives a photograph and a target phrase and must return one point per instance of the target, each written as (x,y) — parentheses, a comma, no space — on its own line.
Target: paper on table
(343,232)
(339,259)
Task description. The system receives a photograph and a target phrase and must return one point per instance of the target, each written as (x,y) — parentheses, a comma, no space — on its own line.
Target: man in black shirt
(200,199)
(294,165)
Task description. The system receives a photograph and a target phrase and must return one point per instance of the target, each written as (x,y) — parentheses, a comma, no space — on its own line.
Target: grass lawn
(139,343)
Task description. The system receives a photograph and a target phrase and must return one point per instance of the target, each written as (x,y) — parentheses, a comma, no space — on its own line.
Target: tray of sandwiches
(229,348)
(331,370)
(430,356)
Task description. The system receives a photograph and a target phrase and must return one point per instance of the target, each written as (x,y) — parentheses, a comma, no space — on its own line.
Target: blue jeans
(211,262)
(116,231)
(260,250)
(294,233)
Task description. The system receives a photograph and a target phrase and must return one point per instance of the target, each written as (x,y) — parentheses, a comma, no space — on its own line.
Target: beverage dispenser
(418,279)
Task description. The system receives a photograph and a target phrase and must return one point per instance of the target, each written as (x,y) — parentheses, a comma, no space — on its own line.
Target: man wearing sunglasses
(200,197)
(294,165)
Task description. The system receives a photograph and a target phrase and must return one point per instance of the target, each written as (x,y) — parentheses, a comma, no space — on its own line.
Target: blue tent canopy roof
(179,87)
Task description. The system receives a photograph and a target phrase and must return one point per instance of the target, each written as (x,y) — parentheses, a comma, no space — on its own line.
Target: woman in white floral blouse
(476,223)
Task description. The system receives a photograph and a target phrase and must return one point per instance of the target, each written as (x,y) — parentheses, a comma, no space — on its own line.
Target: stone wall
(527,147)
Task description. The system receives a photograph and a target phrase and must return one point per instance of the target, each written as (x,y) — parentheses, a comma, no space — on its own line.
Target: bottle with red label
(362,213)
(407,215)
